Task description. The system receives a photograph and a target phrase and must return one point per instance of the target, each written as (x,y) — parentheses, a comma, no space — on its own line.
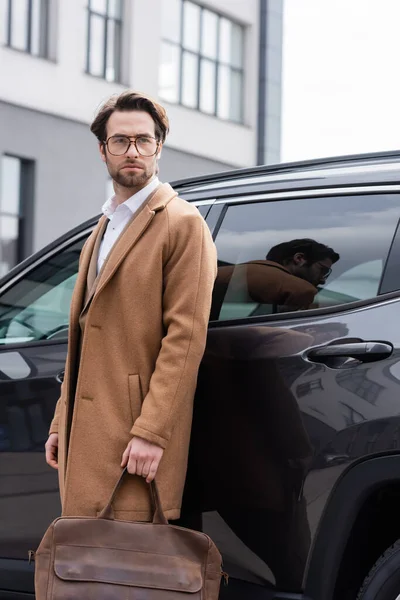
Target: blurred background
(244,82)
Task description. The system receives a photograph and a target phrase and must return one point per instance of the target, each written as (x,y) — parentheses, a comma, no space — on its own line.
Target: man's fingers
(52,456)
(125,456)
(139,466)
(132,468)
(146,468)
(152,471)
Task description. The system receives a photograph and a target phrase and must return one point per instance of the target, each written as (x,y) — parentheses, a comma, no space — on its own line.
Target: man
(287,280)
(138,325)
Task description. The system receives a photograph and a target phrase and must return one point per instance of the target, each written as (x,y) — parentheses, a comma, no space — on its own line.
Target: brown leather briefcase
(89,558)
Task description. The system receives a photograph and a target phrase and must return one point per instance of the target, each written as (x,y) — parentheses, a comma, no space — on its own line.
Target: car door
(286,398)
(34,309)
(34,313)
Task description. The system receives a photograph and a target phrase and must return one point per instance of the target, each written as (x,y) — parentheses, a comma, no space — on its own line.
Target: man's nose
(132,152)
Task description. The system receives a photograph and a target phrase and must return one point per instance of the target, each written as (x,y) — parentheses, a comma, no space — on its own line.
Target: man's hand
(52,450)
(142,458)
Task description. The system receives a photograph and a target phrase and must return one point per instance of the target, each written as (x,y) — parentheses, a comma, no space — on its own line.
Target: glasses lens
(325,270)
(118,145)
(146,146)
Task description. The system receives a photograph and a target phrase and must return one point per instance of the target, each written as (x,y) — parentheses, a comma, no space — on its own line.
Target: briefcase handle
(156,508)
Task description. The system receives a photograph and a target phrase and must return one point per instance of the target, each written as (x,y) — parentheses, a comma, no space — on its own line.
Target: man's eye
(119,140)
(143,140)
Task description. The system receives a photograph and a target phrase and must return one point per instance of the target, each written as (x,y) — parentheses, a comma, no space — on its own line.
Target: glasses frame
(132,140)
(326,270)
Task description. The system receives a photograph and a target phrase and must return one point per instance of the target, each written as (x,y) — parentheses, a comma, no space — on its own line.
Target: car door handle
(362,351)
(60,376)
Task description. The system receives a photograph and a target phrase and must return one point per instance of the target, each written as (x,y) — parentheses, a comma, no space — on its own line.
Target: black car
(294,466)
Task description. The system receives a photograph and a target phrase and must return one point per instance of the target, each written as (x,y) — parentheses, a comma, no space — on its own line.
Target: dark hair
(131,101)
(312,250)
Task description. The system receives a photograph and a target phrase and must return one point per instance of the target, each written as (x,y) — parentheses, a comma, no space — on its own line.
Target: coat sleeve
(189,275)
(56,418)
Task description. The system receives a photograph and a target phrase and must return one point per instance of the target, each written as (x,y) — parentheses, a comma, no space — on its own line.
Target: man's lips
(132,167)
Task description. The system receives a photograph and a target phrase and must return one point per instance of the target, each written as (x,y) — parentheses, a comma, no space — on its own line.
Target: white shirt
(119,216)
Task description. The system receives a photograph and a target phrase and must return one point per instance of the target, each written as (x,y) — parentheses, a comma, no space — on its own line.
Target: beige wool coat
(135,345)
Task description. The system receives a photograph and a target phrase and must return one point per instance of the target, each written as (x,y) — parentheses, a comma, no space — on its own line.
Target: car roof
(349,170)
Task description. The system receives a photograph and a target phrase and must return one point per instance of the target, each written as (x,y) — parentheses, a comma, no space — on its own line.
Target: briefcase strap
(156,508)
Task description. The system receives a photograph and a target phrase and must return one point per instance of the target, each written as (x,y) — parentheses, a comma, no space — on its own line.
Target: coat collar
(156,202)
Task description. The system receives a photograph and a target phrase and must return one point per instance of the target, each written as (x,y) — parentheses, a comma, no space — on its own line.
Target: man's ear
(102,149)
(299,259)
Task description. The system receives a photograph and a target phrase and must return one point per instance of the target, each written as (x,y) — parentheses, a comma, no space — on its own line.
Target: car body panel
(275,431)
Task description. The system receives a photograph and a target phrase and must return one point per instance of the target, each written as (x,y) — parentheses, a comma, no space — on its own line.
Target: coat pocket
(135,396)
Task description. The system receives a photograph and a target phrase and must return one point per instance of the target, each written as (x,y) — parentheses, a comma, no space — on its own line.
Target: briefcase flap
(127,567)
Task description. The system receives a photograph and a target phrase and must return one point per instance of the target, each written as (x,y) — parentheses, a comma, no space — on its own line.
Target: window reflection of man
(306,259)
(287,280)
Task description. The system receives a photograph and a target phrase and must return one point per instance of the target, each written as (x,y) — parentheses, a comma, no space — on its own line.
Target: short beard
(132,180)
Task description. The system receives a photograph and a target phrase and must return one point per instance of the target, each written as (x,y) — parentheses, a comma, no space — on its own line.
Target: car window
(37,307)
(290,255)
(203,209)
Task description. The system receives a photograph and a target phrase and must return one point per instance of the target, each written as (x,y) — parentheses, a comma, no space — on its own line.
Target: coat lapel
(78,296)
(132,233)
(92,276)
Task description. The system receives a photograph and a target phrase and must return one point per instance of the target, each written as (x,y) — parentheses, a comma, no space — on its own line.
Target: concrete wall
(46,107)
(61,86)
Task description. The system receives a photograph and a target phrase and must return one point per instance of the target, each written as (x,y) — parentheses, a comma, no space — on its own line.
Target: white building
(215,66)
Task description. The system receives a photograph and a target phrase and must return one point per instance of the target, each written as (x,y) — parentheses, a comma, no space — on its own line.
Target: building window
(104,39)
(27,26)
(202,60)
(351,416)
(16,201)
(359,384)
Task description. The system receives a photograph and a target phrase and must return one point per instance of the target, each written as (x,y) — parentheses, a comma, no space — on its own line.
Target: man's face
(131,170)
(316,273)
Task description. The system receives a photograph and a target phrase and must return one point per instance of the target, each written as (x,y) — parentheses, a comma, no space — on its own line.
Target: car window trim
(301,194)
(314,313)
(53,252)
(315,192)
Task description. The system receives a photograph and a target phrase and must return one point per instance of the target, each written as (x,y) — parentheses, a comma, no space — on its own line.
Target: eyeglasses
(118,145)
(325,271)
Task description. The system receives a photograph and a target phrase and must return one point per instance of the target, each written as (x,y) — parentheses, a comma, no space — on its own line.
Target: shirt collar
(133,203)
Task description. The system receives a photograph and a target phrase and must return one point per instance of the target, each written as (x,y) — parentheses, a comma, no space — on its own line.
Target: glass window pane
(237,46)
(225,36)
(40,302)
(38,26)
(236,96)
(231,43)
(230,94)
(257,242)
(224,92)
(207,86)
(115,9)
(113,50)
(169,72)
(171,20)
(96,45)
(8,243)
(99,6)
(191,26)
(190,69)
(19,24)
(209,34)
(10,185)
